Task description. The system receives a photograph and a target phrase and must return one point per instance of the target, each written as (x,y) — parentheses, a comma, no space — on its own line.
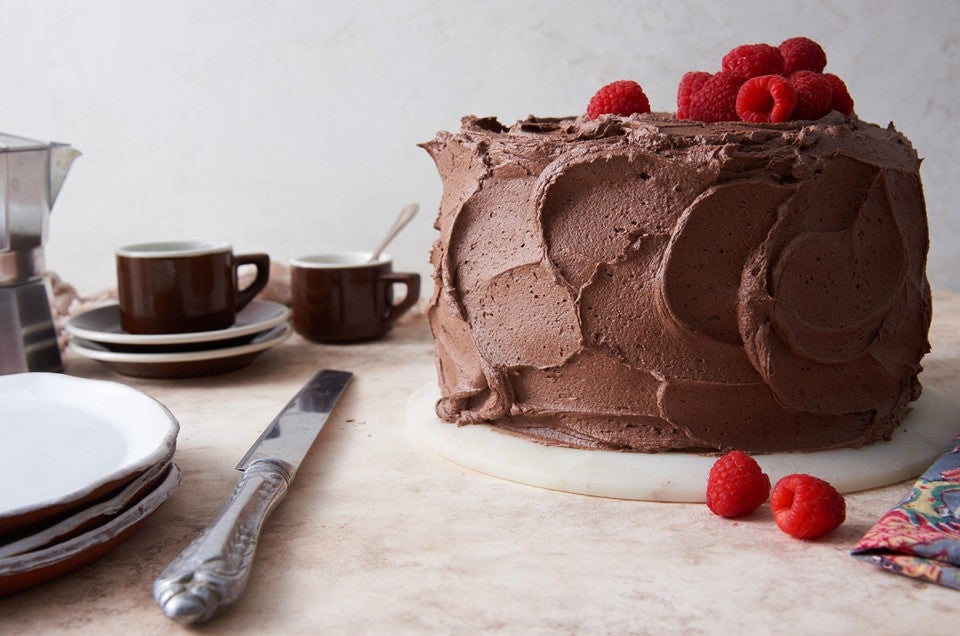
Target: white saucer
(69,441)
(179,364)
(932,423)
(103,325)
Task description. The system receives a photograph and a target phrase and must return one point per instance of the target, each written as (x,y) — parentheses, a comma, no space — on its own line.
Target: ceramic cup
(184,286)
(341,297)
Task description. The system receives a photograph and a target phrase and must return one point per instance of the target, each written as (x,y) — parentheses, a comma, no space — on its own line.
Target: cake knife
(211,573)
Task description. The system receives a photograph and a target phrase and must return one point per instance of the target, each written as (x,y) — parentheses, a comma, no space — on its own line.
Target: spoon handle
(406,214)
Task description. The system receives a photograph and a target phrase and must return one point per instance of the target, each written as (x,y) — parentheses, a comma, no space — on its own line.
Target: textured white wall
(290,126)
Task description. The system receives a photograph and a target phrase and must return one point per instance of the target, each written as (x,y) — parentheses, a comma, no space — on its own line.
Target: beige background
(292,126)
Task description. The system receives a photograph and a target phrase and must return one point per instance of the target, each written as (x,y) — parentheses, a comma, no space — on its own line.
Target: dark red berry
(736,485)
(814,94)
(623,97)
(717,99)
(802,54)
(690,84)
(840,99)
(806,507)
(768,98)
(753,60)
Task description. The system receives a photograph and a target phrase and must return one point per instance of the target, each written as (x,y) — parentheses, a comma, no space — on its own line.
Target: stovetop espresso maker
(31,173)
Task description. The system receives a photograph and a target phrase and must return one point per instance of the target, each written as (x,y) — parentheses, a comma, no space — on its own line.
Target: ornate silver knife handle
(212,572)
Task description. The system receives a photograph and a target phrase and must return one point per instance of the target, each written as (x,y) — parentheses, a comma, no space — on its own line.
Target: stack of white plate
(84,462)
(97,334)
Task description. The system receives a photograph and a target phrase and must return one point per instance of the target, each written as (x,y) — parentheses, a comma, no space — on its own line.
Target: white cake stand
(929,427)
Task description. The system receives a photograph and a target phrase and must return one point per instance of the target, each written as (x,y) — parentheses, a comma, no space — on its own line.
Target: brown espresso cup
(184,286)
(342,297)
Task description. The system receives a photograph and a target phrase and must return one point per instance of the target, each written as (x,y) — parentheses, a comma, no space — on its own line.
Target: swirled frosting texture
(648,284)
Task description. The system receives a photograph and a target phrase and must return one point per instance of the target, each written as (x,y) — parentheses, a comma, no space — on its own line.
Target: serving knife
(211,573)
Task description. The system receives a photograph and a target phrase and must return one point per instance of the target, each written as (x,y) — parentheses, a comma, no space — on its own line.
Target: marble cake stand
(929,427)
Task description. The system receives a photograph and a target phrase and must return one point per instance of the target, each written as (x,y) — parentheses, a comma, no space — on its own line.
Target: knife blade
(212,572)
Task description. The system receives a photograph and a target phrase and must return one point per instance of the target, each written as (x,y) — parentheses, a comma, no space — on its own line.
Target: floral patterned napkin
(920,536)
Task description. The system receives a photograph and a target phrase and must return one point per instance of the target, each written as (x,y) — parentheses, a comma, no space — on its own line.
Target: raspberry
(736,485)
(840,99)
(768,98)
(753,60)
(717,99)
(802,54)
(623,97)
(806,507)
(814,94)
(690,84)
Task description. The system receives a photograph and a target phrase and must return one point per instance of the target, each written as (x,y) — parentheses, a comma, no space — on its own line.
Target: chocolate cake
(645,283)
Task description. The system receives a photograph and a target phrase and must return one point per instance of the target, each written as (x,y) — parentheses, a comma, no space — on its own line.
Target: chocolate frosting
(649,284)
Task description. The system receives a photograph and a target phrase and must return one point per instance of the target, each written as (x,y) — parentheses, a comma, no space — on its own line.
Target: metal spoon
(407,213)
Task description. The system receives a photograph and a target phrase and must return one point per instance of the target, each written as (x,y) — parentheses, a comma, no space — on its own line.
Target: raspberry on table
(840,99)
(814,94)
(802,54)
(623,97)
(717,99)
(736,485)
(806,507)
(690,84)
(768,98)
(753,60)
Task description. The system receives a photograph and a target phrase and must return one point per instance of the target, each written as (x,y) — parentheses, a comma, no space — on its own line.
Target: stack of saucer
(85,462)
(97,334)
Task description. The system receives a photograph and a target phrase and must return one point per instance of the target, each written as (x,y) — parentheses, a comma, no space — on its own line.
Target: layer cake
(644,283)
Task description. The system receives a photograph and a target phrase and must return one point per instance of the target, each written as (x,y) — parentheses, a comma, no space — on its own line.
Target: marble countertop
(378,535)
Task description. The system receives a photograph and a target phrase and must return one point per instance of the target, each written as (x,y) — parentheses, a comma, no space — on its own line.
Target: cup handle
(411,281)
(262,263)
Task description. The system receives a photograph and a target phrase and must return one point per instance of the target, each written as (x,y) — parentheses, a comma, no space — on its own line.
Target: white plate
(179,364)
(930,425)
(66,439)
(103,325)
(87,517)
(32,568)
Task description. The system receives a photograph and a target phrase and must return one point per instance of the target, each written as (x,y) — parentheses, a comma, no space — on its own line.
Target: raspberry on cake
(753,60)
(840,99)
(768,98)
(716,99)
(690,83)
(802,54)
(623,97)
(814,94)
